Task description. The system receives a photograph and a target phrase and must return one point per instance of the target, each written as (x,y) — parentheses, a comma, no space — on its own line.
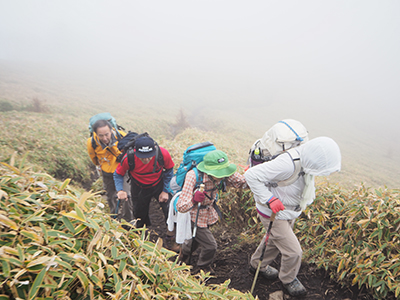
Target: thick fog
(341,52)
(334,63)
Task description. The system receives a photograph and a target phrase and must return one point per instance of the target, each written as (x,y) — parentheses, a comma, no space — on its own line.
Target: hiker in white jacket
(319,156)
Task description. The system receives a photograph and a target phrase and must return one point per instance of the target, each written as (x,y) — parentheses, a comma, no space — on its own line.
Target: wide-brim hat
(145,147)
(216,164)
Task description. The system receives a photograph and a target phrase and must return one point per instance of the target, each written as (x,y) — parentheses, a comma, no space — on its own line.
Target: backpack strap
(130,156)
(94,144)
(199,176)
(298,138)
(116,133)
(298,170)
(214,203)
(221,187)
(159,158)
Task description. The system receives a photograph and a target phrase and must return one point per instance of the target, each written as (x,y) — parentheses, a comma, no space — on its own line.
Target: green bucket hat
(216,163)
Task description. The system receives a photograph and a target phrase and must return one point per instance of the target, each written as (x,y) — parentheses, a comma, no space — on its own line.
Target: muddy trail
(231,263)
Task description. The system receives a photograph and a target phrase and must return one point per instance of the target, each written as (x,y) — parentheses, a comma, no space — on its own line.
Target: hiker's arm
(92,153)
(119,186)
(256,179)
(118,176)
(167,176)
(237,180)
(185,203)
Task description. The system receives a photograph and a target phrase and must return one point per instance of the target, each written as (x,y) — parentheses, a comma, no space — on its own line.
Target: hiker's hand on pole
(98,170)
(122,195)
(163,197)
(275,205)
(198,197)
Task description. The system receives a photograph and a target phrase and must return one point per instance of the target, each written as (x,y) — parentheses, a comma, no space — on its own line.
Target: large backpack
(110,119)
(281,138)
(127,146)
(192,156)
(284,135)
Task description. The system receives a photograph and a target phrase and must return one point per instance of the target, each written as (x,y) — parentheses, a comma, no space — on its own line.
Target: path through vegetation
(231,263)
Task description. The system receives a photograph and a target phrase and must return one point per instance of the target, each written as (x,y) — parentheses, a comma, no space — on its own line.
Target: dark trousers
(141,198)
(206,242)
(118,209)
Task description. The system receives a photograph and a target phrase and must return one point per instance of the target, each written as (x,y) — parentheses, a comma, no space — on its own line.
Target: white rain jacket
(319,157)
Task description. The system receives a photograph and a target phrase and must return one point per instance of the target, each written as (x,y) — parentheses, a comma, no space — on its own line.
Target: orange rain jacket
(105,157)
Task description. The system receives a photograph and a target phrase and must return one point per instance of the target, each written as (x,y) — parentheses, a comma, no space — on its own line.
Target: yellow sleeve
(91,152)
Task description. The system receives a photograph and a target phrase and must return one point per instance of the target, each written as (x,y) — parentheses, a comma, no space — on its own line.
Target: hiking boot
(295,288)
(175,247)
(183,258)
(170,244)
(268,273)
(207,269)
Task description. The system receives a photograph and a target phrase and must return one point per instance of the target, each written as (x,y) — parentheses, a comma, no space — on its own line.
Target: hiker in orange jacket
(103,151)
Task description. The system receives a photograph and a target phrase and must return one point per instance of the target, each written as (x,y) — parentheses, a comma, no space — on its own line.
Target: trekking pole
(271,220)
(98,170)
(116,209)
(201,189)
(119,207)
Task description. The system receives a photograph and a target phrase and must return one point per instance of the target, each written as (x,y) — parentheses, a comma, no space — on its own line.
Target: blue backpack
(192,156)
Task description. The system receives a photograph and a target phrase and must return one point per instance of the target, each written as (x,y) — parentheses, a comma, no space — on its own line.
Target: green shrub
(6,105)
(356,235)
(239,211)
(56,243)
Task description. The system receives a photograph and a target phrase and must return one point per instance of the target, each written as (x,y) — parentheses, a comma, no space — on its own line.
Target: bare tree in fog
(180,124)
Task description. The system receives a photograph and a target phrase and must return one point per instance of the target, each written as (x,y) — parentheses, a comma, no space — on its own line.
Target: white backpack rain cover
(320,157)
(282,136)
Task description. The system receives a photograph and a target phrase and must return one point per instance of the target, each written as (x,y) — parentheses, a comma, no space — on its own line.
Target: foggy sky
(336,59)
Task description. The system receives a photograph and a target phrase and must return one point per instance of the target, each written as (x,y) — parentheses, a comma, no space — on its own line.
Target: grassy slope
(73,102)
(66,126)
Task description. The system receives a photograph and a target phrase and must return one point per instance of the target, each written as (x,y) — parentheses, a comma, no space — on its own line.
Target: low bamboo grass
(57,243)
(355,234)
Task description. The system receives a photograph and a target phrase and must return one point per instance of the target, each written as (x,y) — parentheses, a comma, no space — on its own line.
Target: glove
(198,197)
(275,205)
